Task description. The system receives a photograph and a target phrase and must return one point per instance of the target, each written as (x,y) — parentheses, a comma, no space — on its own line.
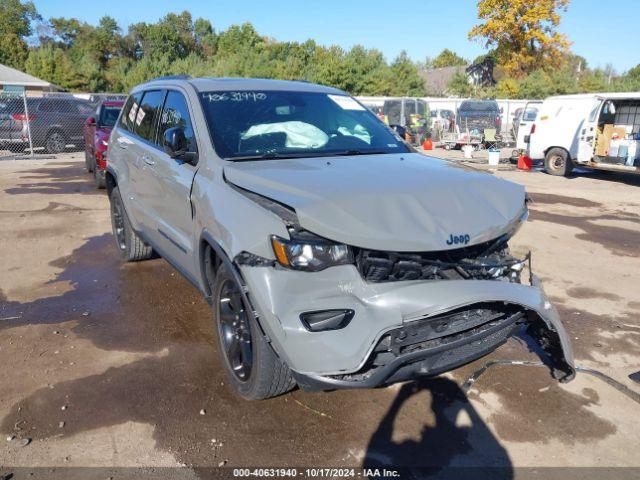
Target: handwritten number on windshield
(237,97)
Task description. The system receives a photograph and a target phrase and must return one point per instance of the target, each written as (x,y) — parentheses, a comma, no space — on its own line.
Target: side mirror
(175,145)
(90,121)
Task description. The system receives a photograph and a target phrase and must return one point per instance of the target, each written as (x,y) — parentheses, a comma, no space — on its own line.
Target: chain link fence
(46,125)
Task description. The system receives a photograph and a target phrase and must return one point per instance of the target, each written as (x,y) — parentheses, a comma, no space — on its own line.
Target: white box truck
(599,131)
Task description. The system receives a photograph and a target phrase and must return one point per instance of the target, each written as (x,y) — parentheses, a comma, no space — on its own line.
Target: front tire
(131,247)
(558,163)
(55,142)
(252,367)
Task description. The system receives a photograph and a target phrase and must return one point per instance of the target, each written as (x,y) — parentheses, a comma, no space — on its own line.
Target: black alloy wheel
(235,330)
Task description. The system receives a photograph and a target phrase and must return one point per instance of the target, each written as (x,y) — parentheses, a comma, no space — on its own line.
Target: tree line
(82,57)
(531,59)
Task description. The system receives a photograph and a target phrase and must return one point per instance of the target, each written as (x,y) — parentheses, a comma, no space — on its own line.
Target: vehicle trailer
(596,131)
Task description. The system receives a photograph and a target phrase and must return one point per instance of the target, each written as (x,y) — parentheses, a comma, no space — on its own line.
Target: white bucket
(494,157)
(467,150)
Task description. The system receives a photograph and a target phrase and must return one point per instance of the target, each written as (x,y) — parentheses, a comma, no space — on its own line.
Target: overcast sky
(602,32)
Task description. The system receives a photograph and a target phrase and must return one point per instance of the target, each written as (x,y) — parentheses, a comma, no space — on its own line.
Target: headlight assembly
(310,254)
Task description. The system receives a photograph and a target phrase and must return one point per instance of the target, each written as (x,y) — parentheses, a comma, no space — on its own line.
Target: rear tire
(252,367)
(558,163)
(131,247)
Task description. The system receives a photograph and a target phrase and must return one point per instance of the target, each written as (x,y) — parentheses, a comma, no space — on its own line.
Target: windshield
(108,116)
(530,114)
(248,125)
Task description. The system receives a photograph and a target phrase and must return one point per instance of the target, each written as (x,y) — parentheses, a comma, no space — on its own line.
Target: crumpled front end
(344,313)
(398,330)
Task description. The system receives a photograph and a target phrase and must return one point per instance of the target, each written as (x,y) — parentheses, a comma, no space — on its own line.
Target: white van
(523,123)
(600,131)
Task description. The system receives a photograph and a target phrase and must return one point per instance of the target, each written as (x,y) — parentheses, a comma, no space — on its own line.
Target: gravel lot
(114,365)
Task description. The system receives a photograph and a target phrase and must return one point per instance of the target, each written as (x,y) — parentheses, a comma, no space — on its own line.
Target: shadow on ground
(60,178)
(456,431)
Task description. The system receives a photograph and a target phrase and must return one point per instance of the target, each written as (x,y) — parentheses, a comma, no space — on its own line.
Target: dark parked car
(13,124)
(479,115)
(97,129)
(55,122)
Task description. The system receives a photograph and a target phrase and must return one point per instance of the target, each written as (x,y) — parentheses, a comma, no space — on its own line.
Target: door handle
(148,160)
(122,144)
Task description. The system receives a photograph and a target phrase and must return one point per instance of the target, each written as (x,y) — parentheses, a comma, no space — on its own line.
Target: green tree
(205,37)
(460,86)
(238,38)
(448,58)
(406,78)
(16,17)
(172,37)
(15,25)
(13,51)
(634,72)
(52,64)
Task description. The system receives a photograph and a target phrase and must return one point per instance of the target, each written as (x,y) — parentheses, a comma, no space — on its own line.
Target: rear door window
(176,114)
(48,106)
(479,106)
(144,122)
(130,111)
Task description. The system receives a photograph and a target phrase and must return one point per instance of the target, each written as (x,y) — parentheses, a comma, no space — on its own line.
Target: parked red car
(97,129)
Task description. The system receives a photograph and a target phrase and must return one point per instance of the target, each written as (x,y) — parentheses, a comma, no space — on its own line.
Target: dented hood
(399,202)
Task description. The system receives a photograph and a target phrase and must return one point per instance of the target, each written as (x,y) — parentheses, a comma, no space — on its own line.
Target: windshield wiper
(269,156)
(279,156)
(358,152)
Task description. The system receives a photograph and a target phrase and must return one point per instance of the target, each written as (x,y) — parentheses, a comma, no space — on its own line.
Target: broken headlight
(312,254)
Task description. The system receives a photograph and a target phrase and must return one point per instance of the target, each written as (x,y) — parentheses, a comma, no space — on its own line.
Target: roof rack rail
(171,77)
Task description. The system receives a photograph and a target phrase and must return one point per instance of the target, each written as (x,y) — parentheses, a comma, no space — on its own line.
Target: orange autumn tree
(523,33)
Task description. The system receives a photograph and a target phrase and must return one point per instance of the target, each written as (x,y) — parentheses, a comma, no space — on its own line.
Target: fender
(207,239)
(110,170)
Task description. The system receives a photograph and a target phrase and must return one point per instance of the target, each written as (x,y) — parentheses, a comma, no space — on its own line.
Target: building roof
(437,80)
(11,76)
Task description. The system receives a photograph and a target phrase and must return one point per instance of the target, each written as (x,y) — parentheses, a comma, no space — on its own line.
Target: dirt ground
(113,365)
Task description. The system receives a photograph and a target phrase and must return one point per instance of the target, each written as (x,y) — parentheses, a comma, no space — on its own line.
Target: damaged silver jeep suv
(333,255)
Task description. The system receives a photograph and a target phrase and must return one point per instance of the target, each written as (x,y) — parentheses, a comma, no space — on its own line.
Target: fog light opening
(323,320)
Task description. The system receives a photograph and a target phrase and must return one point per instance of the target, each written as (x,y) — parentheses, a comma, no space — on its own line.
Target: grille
(487,261)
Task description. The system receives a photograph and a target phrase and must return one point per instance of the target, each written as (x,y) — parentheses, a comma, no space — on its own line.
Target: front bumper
(342,358)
